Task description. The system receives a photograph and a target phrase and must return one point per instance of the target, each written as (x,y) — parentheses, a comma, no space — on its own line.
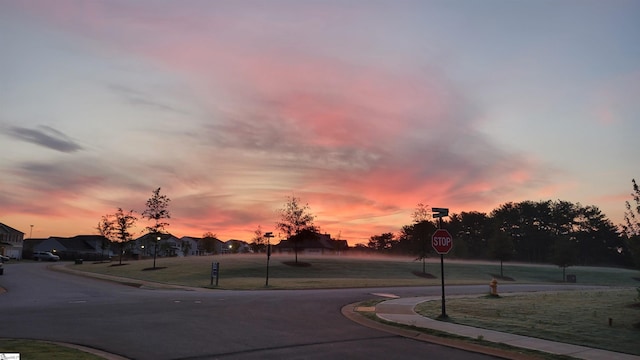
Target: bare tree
(116,227)
(258,241)
(294,219)
(421,213)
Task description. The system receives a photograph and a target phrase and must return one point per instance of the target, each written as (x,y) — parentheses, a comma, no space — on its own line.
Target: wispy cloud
(139,98)
(45,136)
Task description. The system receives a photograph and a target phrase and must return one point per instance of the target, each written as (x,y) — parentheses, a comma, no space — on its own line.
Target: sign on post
(439,212)
(441,241)
(215,272)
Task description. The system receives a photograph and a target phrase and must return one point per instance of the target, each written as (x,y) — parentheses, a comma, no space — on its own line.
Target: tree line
(558,232)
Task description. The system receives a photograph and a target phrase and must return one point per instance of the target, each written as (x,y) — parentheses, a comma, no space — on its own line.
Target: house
(207,245)
(159,244)
(11,242)
(315,243)
(234,246)
(88,247)
(190,246)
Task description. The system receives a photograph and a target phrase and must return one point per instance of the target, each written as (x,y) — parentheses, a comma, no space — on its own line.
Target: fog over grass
(248,271)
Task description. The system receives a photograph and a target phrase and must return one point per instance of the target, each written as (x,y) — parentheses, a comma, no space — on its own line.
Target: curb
(350,312)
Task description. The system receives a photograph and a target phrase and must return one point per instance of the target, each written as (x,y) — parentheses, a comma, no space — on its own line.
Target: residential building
(87,247)
(11,242)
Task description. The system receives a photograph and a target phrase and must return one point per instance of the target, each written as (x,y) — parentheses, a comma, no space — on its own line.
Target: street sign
(441,241)
(439,212)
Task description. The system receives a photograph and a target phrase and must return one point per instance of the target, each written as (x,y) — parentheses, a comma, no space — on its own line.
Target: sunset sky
(361,108)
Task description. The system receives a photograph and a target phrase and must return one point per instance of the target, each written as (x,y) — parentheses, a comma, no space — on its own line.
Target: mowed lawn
(606,319)
(249,272)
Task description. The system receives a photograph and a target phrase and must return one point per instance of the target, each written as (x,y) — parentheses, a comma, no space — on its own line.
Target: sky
(362,109)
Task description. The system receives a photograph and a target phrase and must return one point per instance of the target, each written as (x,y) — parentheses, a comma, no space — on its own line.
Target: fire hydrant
(493,285)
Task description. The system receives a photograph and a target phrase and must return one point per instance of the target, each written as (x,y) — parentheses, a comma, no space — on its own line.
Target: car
(4,258)
(45,256)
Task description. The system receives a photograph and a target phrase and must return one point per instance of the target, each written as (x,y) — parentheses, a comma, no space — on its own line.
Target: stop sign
(441,241)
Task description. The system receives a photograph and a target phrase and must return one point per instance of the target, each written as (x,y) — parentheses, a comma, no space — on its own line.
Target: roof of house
(7,228)
(76,243)
(80,242)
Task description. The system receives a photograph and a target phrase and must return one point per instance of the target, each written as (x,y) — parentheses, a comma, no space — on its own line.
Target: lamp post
(31,232)
(268,235)
(155,252)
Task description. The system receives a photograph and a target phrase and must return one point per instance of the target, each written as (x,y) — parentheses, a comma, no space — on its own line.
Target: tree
(501,248)
(105,228)
(564,254)
(156,211)
(258,243)
(382,242)
(294,218)
(471,231)
(421,213)
(631,226)
(208,243)
(416,240)
(116,227)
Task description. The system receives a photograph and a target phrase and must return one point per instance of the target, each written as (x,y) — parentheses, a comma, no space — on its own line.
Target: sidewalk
(401,311)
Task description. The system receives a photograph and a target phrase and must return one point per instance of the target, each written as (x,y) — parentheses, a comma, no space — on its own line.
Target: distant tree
(598,241)
(416,240)
(117,227)
(294,218)
(258,241)
(501,248)
(208,243)
(631,226)
(382,242)
(564,254)
(421,213)
(105,228)
(157,211)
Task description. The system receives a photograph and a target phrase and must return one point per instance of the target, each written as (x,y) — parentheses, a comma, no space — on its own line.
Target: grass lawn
(42,350)
(249,272)
(576,317)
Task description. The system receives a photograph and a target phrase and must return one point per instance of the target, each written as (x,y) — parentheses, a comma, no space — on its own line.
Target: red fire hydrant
(493,285)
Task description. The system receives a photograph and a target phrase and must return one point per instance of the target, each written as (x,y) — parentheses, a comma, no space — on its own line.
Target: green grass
(577,317)
(249,272)
(41,350)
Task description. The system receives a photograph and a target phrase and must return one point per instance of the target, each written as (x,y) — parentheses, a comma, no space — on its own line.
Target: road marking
(392,296)
(77,301)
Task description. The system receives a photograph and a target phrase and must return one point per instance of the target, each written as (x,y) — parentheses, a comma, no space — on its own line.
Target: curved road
(204,324)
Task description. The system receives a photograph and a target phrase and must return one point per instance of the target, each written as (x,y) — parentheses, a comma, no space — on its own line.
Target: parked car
(45,256)
(4,258)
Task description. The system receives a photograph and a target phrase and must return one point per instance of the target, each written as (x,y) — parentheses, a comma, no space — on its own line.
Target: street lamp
(268,235)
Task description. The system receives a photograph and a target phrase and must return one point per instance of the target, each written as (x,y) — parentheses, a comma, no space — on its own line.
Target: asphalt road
(203,324)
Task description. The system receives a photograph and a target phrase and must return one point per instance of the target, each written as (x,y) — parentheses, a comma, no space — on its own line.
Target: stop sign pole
(442,242)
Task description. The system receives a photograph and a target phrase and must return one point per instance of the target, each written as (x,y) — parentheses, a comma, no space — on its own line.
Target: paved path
(401,311)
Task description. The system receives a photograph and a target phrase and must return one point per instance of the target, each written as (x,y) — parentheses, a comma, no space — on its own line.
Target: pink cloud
(362,143)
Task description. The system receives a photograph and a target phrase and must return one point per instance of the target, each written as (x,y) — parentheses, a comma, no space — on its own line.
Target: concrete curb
(401,311)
